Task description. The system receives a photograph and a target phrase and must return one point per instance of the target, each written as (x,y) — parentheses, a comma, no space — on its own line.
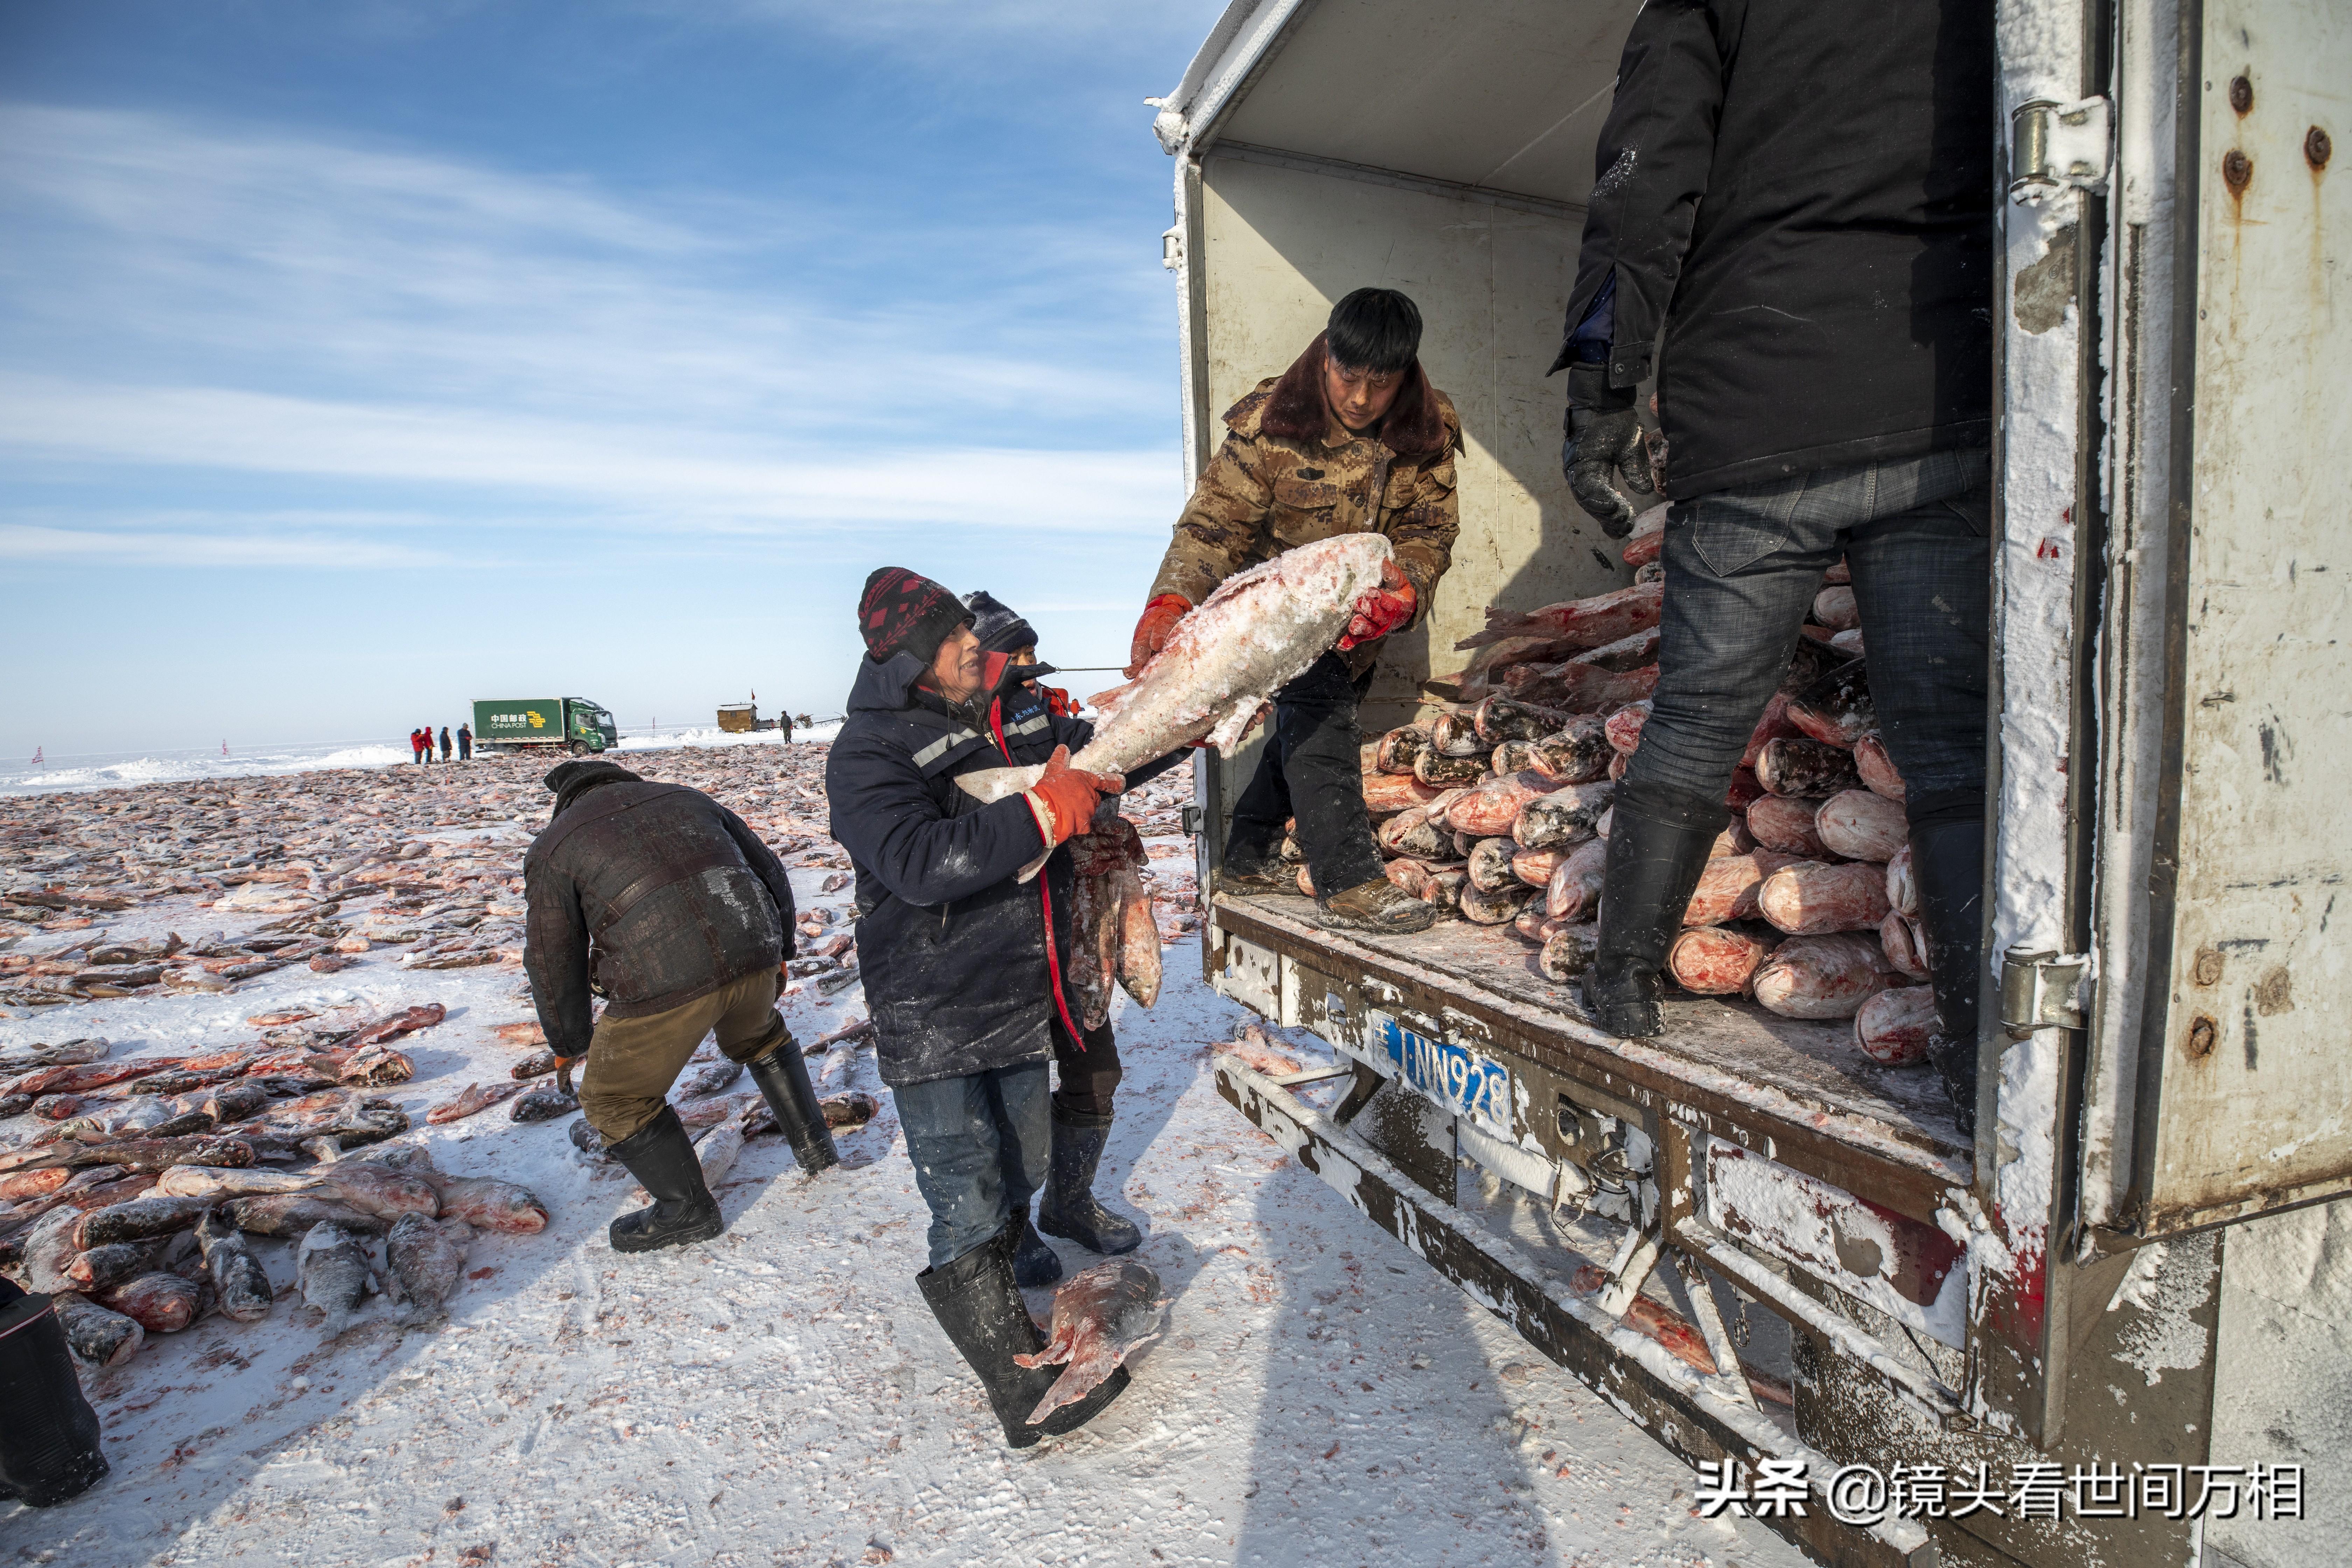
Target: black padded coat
(1798,194)
(677,894)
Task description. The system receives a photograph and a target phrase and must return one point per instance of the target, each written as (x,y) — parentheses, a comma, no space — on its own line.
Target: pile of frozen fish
(1497,808)
(132,1195)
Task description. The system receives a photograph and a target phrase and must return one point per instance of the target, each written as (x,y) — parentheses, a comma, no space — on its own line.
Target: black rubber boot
(49,1449)
(1035,1264)
(1948,867)
(1659,836)
(783,1080)
(980,1310)
(1069,1208)
(1378,905)
(661,1156)
(1250,866)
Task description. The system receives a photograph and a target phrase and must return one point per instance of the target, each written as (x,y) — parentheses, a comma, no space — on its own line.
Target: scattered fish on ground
(1100,1316)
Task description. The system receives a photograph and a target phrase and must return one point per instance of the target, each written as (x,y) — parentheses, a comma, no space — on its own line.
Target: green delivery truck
(574,723)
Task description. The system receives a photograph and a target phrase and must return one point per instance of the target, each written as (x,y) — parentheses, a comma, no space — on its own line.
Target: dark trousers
(631,1062)
(465,750)
(1085,1079)
(1742,567)
(1311,771)
(979,1146)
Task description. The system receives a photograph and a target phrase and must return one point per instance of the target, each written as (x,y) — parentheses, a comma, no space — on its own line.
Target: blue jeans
(979,1146)
(1742,568)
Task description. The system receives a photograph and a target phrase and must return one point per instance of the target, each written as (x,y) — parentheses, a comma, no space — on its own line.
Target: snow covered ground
(115,770)
(780,1395)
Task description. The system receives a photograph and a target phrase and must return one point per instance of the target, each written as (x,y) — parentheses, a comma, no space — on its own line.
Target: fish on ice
(1101,1315)
(331,1268)
(238,1279)
(426,1259)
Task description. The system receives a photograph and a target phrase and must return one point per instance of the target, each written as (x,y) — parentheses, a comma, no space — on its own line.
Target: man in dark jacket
(961,955)
(1792,217)
(445,742)
(1086,1065)
(665,902)
(464,743)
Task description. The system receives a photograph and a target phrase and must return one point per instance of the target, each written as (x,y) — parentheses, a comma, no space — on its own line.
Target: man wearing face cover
(1352,438)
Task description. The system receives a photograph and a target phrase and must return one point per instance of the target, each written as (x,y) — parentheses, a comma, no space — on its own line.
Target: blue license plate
(1454,1076)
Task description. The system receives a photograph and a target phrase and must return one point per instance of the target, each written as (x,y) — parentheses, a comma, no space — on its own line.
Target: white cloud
(699,481)
(143,245)
(187,295)
(30,543)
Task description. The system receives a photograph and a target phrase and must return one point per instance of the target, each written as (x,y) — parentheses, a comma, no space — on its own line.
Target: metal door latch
(2037,991)
(2054,146)
(1193,821)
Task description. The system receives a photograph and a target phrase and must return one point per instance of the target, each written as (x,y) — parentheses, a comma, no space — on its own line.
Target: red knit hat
(901,609)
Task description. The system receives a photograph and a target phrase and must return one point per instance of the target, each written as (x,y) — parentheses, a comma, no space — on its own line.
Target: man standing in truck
(1352,438)
(1793,222)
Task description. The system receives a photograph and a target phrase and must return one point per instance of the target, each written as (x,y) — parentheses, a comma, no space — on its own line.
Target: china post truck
(2130,1290)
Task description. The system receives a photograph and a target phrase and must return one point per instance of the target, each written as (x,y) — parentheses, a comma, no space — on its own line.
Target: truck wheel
(579,748)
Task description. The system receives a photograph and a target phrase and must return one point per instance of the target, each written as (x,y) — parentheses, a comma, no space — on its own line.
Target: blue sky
(360,360)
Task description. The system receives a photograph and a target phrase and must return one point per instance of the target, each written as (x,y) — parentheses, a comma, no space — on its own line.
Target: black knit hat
(997,625)
(901,609)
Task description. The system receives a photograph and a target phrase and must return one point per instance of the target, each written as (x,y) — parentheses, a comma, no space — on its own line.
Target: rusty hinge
(2054,146)
(2037,991)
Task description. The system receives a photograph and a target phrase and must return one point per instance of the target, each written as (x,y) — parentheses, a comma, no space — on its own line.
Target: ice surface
(780,1396)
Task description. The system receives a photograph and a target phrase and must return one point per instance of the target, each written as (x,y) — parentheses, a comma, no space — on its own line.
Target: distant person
(426,735)
(464,743)
(416,746)
(690,920)
(445,742)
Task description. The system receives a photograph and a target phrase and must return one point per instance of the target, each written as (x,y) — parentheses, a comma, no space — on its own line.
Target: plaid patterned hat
(900,609)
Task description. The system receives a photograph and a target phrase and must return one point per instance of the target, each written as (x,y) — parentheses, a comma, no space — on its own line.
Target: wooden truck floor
(1802,1092)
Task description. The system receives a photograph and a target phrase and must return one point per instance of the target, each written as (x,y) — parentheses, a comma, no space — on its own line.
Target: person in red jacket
(416,746)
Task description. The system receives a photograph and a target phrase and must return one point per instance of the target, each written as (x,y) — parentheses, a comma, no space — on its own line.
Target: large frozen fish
(331,1266)
(1100,1314)
(236,1275)
(426,1259)
(96,1336)
(1258,631)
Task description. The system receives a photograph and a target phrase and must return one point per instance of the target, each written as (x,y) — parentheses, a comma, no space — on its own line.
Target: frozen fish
(1101,1316)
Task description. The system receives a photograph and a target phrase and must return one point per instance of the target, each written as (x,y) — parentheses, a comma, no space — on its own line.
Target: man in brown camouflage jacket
(1352,438)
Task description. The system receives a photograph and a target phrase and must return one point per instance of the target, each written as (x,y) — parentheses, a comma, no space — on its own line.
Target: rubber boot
(1249,867)
(1948,867)
(980,1309)
(1378,905)
(1068,1209)
(1035,1264)
(783,1079)
(51,1449)
(661,1156)
(1659,837)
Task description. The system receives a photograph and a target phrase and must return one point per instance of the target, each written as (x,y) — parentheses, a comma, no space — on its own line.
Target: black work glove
(1603,433)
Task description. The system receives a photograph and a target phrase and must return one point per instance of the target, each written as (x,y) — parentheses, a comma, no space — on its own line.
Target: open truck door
(2106,1281)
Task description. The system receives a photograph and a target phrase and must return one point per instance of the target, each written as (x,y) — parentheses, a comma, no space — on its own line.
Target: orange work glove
(1063,800)
(1057,702)
(1382,610)
(1151,633)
